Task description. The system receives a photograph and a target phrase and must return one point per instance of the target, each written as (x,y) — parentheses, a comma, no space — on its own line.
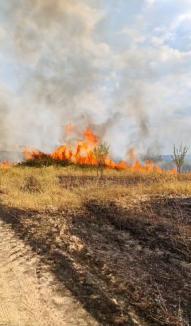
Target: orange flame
(83,154)
(5,165)
(90,137)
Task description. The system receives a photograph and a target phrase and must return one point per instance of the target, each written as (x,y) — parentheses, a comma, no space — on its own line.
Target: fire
(33,154)
(5,165)
(82,153)
(90,137)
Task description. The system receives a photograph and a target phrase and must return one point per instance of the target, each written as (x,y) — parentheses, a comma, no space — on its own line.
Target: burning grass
(85,226)
(90,152)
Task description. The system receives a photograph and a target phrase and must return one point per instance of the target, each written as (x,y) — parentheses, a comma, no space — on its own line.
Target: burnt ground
(127,266)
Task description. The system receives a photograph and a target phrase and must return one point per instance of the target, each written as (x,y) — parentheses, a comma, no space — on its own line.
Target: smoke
(52,42)
(72,69)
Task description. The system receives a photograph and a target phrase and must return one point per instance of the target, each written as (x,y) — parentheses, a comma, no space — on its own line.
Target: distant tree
(101,152)
(179,154)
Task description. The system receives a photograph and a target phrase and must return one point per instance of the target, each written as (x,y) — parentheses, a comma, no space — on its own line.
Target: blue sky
(123,67)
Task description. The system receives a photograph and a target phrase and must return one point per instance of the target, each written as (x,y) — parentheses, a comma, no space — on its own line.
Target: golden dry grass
(50,194)
(53,194)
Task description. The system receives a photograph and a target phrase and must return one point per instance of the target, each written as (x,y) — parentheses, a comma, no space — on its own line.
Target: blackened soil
(127,266)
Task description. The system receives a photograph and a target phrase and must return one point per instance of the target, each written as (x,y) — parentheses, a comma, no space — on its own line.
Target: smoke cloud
(86,63)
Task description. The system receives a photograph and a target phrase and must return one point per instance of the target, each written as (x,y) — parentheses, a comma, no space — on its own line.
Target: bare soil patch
(29,294)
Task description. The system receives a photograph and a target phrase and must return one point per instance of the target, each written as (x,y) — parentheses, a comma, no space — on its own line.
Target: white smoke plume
(72,62)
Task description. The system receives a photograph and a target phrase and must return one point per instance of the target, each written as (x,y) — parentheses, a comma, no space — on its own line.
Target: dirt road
(29,295)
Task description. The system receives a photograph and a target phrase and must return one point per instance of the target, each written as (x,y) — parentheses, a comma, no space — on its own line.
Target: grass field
(121,244)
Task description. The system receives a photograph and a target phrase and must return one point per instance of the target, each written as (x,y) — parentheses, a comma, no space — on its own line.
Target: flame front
(5,165)
(83,154)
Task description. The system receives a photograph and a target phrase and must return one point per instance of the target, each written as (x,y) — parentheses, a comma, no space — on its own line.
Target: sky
(122,67)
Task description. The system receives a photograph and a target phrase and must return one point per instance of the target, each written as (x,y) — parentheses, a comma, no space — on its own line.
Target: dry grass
(40,188)
(139,223)
(18,185)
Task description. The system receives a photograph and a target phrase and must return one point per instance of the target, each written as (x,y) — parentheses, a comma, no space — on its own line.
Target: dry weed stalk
(178,157)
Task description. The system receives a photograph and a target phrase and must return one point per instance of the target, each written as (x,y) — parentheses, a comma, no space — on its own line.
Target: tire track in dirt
(29,293)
